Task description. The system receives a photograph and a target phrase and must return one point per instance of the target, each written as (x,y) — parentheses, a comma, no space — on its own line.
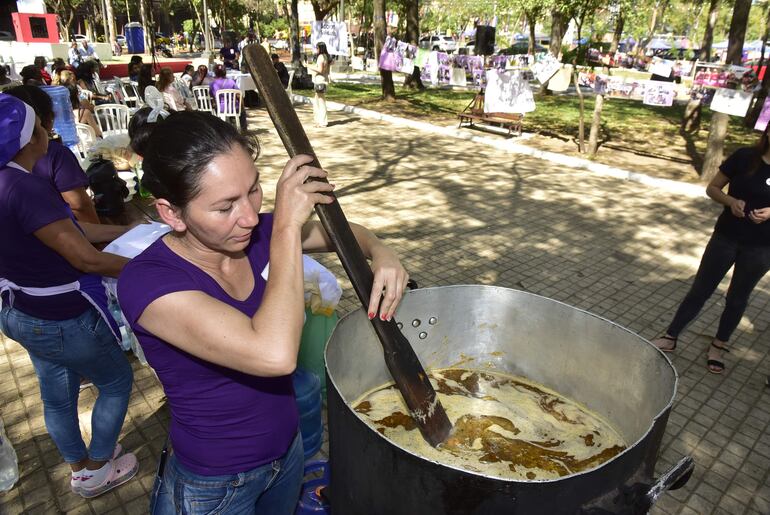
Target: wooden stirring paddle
(400,358)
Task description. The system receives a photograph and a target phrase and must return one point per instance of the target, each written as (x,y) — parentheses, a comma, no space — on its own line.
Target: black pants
(751,264)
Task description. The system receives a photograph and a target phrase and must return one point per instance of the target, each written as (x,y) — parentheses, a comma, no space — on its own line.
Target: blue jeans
(750,264)
(270,489)
(63,351)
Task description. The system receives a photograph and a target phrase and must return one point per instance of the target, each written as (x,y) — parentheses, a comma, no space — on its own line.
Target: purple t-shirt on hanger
(61,167)
(222,421)
(29,203)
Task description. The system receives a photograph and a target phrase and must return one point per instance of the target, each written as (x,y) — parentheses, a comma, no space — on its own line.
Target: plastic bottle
(64,119)
(9,463)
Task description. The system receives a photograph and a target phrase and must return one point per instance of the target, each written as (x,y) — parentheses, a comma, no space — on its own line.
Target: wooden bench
(475,112)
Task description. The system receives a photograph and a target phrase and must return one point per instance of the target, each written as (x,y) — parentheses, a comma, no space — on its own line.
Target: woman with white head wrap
(54,305)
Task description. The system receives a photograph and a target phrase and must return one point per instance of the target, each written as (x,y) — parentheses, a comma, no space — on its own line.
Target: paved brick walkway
(461,213)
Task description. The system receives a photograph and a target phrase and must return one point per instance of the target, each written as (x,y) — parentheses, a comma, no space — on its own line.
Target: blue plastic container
(307,389)
(64,119)
(134,33)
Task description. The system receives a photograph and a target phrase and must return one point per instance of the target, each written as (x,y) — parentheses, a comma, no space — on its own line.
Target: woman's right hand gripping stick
(296,196)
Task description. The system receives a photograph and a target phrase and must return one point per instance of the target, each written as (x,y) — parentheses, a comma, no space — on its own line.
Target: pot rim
(628,449)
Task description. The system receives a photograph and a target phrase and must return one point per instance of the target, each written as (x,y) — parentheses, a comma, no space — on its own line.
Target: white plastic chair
(229,102)
(116,90)
(187,95)
(86,138)
(203,98)
(112,118)
(288,88)
(98,84)
(130,91)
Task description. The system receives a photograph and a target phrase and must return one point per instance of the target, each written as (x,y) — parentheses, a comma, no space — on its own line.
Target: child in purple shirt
(217,305)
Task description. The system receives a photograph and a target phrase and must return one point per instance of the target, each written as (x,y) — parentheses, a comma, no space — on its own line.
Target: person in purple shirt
(54,305)
(217,305)
(59,164)
(222,82)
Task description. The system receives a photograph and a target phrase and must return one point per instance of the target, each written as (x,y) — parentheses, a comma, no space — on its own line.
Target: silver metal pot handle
(674,479)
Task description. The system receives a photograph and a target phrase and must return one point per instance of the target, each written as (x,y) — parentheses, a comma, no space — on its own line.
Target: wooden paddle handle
(400,358)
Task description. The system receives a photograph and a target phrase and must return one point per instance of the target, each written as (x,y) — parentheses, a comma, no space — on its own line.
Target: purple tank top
(222,421)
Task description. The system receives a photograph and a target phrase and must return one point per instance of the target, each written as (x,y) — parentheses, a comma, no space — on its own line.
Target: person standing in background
(320,83)
(741,241)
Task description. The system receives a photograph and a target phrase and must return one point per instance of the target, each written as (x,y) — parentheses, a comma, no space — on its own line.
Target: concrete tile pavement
(458,212)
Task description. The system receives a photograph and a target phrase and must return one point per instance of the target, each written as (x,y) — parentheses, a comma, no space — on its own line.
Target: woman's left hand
(759,215)
(390,280)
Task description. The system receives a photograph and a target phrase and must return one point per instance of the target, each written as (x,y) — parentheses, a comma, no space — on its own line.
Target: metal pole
(128,12)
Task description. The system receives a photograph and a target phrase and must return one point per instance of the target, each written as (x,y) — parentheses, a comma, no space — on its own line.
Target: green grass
(626,124)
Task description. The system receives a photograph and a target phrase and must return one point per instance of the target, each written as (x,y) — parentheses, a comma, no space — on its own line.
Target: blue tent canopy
(658,44)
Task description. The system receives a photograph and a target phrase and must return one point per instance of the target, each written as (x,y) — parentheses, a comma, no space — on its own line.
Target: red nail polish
(382,317)
(371,316)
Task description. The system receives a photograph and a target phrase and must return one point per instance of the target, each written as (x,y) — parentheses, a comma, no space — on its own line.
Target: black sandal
(717,364)
(669,338)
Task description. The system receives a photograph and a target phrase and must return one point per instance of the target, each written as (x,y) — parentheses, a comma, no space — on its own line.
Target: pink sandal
(75,481)
(122,469)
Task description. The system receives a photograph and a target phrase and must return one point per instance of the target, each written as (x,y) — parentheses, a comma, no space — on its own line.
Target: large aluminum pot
(582,356)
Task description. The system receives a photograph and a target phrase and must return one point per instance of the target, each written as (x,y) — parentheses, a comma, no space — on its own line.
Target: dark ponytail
(178,151)
(139,129)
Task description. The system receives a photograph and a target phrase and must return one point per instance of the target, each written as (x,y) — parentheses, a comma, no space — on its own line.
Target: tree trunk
(322,11)
(200,23)
(558,25)
(291,12)
(691,118)
(751,118)
(111,34)
(412,37)
(581,122)
(719,121)
(531,22)
(148,46)
(380,32)
(708,34)
(619,24)
(657,15)
(593,136)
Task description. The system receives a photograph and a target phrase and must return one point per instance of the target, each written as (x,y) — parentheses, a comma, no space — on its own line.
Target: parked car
(522,47)
(121,40)
(442,43)
(78,37)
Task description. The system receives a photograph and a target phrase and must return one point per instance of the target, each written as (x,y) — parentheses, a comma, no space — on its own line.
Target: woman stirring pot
(219,325)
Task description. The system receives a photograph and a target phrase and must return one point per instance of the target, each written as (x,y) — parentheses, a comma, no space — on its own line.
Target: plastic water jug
(307,389)
(64,119)
(9,465)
